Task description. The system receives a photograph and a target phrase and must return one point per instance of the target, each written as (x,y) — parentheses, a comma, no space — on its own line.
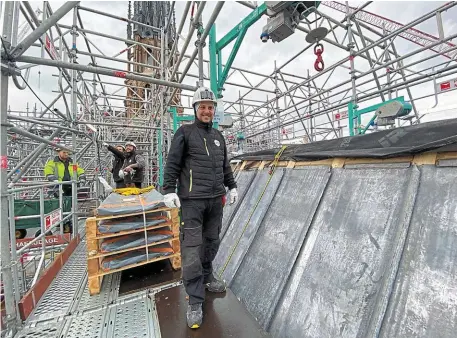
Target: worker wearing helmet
(61,168)
(198,161)
(133,167)
(117,163)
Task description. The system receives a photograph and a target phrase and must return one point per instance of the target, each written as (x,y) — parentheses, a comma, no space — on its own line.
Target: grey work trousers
(201,222)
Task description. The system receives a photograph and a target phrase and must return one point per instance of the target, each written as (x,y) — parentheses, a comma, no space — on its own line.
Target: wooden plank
(338,162)
(327,162)
(401,159)
(92,249)
(425,158)
(251,164)
(101,273)
(101,255)
(451,155)
(262,165)
(175,221)
(95,284)
(243,165)
(290,164)
(99,218)
(282,163)
(176,260)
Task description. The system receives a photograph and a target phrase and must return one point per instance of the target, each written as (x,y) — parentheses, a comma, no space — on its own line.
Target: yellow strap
(133,190)
(271,172)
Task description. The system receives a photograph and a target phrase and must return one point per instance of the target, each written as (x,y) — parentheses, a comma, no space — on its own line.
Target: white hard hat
(130,143)
(203,94)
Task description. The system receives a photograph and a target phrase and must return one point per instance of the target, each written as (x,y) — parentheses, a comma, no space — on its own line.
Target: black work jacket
(117,163)
(138,174)
(198,160)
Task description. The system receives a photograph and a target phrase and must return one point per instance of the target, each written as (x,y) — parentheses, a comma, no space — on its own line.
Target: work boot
(194,315)
(213,284)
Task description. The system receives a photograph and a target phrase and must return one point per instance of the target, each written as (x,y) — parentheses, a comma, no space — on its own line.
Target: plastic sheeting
(108,226)
(133,240)
(116,204)
(364,251)
(438,136)
(136,256)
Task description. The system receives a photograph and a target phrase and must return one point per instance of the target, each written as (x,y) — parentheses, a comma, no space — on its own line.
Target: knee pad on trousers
(191,263)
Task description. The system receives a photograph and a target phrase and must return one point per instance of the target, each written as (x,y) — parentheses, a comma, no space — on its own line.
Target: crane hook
(319,63)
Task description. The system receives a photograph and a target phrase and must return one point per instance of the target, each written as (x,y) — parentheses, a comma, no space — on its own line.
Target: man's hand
(233,196)
(172,201)
(128,169)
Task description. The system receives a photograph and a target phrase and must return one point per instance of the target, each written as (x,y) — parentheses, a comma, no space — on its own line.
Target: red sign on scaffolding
(3,162)
(341,115)
(51,49)
(447,85)
(52,218)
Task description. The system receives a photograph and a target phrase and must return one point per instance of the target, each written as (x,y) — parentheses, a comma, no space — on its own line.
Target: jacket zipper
(206,146)
(190,186)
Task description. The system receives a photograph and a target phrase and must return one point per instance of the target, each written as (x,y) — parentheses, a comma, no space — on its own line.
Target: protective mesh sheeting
(116,204)
(438,136)
(137,256)
(109,226)
(133,240)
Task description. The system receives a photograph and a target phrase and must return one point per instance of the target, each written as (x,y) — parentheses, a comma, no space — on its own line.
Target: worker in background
(198,160)
(133,168)
(60,169)
(117,163)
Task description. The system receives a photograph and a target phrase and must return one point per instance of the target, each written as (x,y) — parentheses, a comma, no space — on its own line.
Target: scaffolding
(141,91)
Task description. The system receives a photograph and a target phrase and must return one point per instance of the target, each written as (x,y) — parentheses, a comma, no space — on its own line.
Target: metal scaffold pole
(6,262)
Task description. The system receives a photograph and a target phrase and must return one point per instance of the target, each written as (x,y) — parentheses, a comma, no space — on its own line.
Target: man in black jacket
(198,160)
(134,166)
(118,162)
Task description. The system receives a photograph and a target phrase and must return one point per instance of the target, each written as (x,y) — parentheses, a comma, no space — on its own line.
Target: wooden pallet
(94,239)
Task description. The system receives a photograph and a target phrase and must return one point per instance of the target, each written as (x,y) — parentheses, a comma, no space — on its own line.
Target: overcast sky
(253,54)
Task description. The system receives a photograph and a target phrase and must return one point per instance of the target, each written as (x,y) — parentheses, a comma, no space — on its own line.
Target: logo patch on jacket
(216,142)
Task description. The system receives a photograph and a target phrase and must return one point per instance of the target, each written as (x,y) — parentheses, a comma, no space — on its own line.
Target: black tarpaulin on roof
(437,136)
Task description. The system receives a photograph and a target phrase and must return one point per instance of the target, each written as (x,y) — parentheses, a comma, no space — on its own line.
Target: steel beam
(28,160)
(40,30)
(98,70)
(7,275)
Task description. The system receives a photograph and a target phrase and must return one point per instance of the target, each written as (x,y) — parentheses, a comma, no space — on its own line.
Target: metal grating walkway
(67,310)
